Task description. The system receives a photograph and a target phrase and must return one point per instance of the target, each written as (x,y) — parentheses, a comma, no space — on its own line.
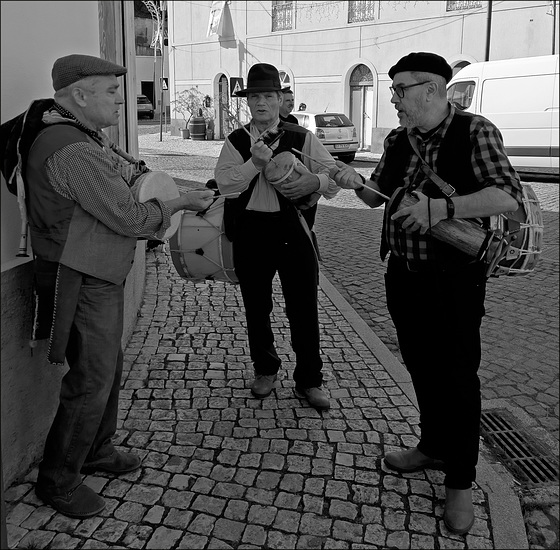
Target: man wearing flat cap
(272,233)
(84,224)
(453,164)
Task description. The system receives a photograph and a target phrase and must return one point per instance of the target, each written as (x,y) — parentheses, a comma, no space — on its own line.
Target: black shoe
(315,397)
(117,463)
(263,385)
(81,502)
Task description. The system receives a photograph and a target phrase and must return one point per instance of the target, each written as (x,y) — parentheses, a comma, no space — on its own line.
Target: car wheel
(348,158)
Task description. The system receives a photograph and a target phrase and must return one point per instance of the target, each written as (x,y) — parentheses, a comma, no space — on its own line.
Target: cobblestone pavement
(223,470)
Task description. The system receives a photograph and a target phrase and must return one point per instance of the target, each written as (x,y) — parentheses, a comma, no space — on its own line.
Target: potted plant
(187,103)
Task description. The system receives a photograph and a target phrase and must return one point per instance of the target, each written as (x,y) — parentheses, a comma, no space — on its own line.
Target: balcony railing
(282,16)
(361,10)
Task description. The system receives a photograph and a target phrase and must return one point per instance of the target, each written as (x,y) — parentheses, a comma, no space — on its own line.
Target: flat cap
(71,68)
(287,90)
(425,62)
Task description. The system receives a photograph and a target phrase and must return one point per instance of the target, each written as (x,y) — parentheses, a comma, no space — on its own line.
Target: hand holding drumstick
(345,176)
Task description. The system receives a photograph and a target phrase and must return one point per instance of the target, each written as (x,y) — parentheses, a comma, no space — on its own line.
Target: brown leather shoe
(263,385)
(81,502)
(409,461)
(315,397)
(458,515)
(116,463)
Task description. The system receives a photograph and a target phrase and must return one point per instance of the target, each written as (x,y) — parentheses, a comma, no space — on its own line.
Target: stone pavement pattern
(224,470)
(148,517)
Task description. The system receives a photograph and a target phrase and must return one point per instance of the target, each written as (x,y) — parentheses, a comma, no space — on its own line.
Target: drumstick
(228,194)
(329,167)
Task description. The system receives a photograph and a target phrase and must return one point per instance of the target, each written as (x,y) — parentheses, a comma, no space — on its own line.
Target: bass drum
(158,185)
(200,250)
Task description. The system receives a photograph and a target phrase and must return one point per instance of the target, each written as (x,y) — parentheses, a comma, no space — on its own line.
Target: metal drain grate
(520,456)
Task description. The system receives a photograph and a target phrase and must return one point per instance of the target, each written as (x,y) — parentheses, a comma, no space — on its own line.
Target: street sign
(235,84)
(164,83)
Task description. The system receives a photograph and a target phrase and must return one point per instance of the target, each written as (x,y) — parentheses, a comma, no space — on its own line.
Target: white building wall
(322,48)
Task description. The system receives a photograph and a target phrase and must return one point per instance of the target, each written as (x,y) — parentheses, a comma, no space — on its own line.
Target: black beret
(424,62)
(72,68)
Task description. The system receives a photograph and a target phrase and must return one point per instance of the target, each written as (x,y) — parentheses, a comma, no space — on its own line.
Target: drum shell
(200,250)
(281,169)
(465,235)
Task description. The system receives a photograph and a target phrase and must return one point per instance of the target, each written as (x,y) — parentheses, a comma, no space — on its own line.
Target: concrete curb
(508,526)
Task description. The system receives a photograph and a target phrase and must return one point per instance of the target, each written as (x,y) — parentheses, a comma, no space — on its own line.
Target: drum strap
(447,190)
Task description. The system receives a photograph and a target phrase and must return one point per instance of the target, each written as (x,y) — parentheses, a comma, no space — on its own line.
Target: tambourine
(158,185)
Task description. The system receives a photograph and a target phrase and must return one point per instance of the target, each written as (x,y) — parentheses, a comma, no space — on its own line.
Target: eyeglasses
(399,90)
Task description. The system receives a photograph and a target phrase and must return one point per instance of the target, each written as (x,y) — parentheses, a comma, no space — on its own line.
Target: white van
(520,96)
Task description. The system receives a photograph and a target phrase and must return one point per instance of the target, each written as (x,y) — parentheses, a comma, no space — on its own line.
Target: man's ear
(79,96)
(432,89)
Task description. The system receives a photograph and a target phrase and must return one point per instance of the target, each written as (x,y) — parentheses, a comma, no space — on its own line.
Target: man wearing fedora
(84,223)
(435,292)
(271,235)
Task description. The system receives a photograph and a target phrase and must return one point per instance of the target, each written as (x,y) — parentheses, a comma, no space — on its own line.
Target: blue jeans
(86,418)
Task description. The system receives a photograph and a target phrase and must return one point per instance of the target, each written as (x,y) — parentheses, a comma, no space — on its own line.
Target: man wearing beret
(435,292)
(273,235)
(84,224)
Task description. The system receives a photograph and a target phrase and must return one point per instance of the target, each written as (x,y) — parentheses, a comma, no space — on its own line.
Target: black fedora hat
(262,77)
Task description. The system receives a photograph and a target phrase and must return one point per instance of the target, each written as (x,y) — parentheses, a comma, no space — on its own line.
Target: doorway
(362,104)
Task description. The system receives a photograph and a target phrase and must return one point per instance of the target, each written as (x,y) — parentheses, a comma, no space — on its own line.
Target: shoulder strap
(446,189)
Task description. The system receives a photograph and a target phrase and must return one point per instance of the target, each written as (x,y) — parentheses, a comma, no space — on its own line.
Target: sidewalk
(224,470)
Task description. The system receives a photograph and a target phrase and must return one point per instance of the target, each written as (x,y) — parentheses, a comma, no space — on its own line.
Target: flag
(215,23)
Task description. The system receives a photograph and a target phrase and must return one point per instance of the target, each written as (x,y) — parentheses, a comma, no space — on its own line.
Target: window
(361,10)
(463,5)
(282,15)
(461,94)
(284,79)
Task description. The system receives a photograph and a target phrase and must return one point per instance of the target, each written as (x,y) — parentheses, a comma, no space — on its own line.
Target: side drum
(158,185)
(200,250)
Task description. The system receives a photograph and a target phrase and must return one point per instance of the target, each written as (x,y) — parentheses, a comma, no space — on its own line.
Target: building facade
(336,54)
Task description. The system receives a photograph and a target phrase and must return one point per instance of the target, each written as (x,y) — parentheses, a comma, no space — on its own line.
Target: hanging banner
(215,23)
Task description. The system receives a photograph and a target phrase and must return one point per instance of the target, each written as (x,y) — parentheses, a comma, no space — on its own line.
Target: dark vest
(61,230)
(453,165)
(294,137)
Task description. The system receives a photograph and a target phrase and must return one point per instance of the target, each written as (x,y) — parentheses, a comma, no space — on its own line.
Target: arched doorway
(361,104)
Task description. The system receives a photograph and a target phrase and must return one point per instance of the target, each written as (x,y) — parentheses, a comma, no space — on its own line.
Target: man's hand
(306,184)
(418,217)
(260,154)
(345,176)
(193,200)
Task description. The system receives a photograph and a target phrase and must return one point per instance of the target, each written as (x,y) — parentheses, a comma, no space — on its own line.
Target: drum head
(158,185)
(279,168)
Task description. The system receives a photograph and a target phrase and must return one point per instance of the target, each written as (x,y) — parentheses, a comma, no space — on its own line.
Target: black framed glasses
(399,90)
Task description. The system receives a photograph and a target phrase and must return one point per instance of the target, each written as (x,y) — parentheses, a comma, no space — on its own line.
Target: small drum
(511,245)
(521,236)
(158,185)
(200,249)
(281,169)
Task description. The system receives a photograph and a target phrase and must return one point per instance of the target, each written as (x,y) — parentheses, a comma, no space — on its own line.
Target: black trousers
(266,244)
(437,315)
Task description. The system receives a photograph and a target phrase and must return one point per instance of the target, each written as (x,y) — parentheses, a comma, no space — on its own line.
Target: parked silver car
(334,130)
(144,106)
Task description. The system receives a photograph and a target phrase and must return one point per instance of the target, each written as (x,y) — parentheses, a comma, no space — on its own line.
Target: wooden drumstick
(329,167)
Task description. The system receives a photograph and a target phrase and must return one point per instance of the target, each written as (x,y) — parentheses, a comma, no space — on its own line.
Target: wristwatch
(450,207)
